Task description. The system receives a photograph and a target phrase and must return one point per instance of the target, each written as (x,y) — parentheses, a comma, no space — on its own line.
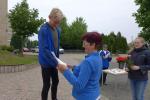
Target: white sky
(103,16)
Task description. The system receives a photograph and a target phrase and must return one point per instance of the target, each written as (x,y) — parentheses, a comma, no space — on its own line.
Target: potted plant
(121,61)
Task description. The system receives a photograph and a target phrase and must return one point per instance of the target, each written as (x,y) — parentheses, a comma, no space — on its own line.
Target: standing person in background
(106,58)
(49,39)
(138,71)
(85,76)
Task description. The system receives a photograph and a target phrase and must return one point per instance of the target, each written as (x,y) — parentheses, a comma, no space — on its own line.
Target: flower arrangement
(122,61)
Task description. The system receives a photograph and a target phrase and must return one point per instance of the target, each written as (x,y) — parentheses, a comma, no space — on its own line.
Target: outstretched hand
(70,66)
(62,67)
(135,67)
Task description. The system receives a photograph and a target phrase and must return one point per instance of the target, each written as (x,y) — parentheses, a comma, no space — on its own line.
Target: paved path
(27,85)
(118,87)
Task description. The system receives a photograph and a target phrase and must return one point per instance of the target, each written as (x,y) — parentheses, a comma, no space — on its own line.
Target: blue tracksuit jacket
(46,46)
(85,77)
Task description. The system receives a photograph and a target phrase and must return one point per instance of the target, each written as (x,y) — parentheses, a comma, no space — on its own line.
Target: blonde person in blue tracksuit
(85,76)
(49,40)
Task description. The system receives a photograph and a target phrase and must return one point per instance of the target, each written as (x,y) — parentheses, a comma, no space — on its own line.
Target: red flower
(121,59)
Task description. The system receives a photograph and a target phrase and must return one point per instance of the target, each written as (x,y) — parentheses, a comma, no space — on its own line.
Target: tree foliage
(64,39)
(71,34)
(116,43)
(24,21)
(143,18)
(31,44)
(16,42)
(71,37)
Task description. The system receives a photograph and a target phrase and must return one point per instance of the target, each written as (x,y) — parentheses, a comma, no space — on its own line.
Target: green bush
(6,48)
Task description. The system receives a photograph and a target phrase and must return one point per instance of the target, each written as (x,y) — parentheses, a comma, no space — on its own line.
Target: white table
(115,71)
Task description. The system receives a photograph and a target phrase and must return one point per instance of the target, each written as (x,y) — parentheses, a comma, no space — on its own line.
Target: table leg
(102,79)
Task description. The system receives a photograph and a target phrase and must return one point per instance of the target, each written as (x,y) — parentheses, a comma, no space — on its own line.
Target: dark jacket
(141,58)
(46,47)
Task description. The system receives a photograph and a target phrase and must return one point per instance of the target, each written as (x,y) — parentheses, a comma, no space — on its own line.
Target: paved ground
(118,87)
(27,85)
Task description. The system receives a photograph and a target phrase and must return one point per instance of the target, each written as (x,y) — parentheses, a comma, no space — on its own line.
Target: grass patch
(7,58)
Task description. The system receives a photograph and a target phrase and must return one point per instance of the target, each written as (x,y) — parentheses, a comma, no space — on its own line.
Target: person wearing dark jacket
(138,72)
(48,40)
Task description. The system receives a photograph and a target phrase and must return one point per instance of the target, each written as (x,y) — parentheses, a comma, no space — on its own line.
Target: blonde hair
(142,39)
(56,13)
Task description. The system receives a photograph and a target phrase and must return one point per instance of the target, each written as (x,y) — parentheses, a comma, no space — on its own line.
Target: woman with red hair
(85,76)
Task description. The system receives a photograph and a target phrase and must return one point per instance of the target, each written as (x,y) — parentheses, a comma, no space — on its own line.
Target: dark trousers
(49,74)
(104,77)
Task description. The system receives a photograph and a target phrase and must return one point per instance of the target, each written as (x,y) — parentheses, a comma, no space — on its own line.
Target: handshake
(63,66)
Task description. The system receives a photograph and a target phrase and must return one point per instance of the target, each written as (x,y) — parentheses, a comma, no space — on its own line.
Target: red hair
(93,37)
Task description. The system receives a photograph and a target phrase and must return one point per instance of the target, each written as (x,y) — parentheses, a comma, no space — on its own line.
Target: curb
(15,68)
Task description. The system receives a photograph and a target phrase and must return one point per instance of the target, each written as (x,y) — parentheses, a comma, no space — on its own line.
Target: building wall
(5,33)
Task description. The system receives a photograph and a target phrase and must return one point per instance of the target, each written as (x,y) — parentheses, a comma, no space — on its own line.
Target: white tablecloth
(115,71)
